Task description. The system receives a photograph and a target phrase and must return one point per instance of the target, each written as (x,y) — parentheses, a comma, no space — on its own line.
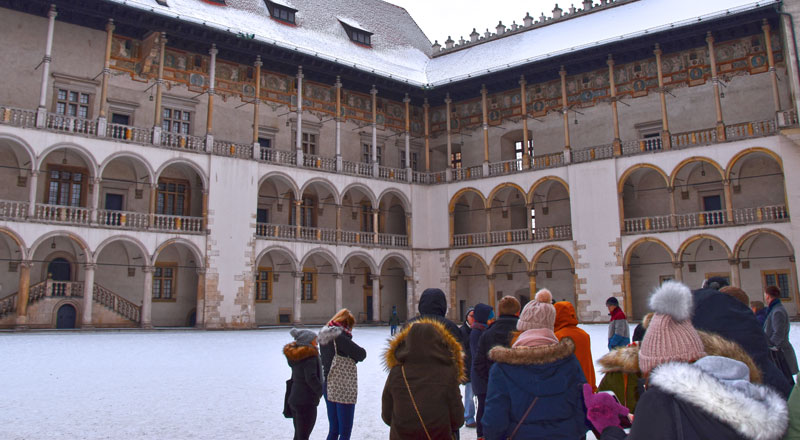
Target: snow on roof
(400,50)
(283,3)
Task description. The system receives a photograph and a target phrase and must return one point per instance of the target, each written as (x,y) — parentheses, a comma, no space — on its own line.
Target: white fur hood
(756,411)
(328,333)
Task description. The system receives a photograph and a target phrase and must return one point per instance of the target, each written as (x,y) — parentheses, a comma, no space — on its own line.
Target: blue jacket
(549,372)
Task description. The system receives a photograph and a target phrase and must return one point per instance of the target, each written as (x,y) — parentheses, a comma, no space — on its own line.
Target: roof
(401,51)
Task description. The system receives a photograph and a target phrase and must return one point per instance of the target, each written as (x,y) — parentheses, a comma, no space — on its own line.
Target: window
(366,155)
(264,284)
(172,197)
(72,103)
(121,119)
(778,278)
(366,218)
(357,35)
(265,142)
(414,157)
(652,141)
(65,186)
(518,150)
(308,217)
(281,12)
(309,143)
(308,285)
(176,121)
(164,282)
(455,160)
(533,220)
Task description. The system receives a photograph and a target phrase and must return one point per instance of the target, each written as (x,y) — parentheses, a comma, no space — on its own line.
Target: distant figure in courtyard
(339,357)
(469,397)
(760,310)
(433,305)
(776,327)
(619,334)
(641,328)
(482,313)
(394,321)
(566,326)
(306,388)
(421,399)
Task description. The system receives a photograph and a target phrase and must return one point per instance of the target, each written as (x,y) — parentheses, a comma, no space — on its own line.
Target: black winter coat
(465,332)
(344,347)
(478,385)
(306,374)
(722,314)
(499,333)
(433,305)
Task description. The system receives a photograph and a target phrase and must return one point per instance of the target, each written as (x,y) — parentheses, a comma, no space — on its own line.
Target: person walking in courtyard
(469,397)
(303,358)
(482,313)
(421,398)
(394,321)
(760,310)
(776,328)
(339,357)
(566,326)
(619,334)
(535,387)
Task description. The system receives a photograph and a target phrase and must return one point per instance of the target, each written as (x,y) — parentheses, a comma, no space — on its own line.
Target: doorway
(713,206)
(114,202)
(59,269)
(65,317)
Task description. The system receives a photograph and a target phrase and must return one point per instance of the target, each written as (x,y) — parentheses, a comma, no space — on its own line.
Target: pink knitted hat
(537,315)
(670,336)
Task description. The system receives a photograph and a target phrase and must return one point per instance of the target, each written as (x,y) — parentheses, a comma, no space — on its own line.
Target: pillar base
(526,162)
(102,124)
(567,154)
(617,145)
(21,323)
(448,175)
(485,169)
(146,326)
(666,140)
(409,174)
(87,327)
(156,135)
(256,151)
(209,143)
(376,168)
(339,163)
(41,117)
(299,158)
(721,135)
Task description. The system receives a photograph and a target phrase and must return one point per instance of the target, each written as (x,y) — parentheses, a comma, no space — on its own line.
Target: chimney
(528,20)
(514,25)
(449,43)
(572,9)
(501,28)
(473,37)
(487,34)
(542,18)
(587,5)
(462,41)
(557,12)
(436,47)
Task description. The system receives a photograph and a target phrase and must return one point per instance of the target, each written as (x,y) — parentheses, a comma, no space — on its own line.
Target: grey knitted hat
(303,336)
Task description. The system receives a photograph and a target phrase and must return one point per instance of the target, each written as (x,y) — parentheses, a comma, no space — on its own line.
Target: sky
(442,18)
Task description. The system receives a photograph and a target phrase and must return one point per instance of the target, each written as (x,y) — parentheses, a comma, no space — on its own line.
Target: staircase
(56,289)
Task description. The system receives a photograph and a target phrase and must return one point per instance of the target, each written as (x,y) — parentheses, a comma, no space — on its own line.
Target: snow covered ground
(175,384)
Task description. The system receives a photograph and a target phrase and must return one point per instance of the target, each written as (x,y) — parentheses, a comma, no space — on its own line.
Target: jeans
(469,404)
(481,407)
(305,416)
(393,329)
(340,419)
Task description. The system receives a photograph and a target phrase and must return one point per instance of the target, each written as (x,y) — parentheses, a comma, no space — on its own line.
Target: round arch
(402,197)
(463,191)
(463,257)
(688,242)
(502,254)
(677,169)
(745,152)
(551,247)
(363,188)
(66,234)
(328,256)
(629,172)
(400,257)
(282,251)
(87,156)
(328,185)
(31,155)
(23,250)
(740,243)
(629,252)
(180,161)
(134,156)
(284,178)
(128,239)
(543,180)
(189,245)
(364,256)
(503,186)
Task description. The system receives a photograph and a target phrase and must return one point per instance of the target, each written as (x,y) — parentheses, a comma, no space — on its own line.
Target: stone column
(298,295)
(147,298)
(162,43)
(409,171)
(95,199)
(528,222)
(712,58)
(526,157)
(773,74)
(88,295)
(612,86)
(297,219)
(409,297)
(565,114)
(449,176)
(374,92)
(672,207)
(256,104)
(337,277)
(338,118)
(375,228)
(677,268)
(726,187)
(200,312)
(425,114)
(102,120)
(452,228)
(338,223)
(376,298)
(666,139)
(205,211)
(532,283)
(736,278)
(33,182)
(210,112)
(41,111)
(452,304)
(23,294)
(299,136)
(408,229)
(153,197)
(485,107)
(492,295)
(488,224)
(626,289)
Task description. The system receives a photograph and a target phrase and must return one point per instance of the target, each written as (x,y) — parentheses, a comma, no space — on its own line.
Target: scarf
(536,337)
(341,326)
(617,314)
(478,325)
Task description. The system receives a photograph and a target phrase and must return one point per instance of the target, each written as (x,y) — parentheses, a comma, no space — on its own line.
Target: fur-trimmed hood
(757,413)
(425,340)
(328,333)
(626,359)
(295,353)
(540,355)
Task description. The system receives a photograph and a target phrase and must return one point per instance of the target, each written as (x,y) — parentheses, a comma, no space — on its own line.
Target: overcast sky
(440,18)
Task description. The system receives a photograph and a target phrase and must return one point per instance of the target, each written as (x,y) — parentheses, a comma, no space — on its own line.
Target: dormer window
(356,34)
(281,12)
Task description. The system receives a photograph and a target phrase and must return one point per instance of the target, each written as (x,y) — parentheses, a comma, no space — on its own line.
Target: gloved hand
(602,409)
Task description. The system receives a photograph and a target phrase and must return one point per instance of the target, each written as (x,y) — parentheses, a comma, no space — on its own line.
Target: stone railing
(357,168)
(123,219)
(12,209)
(319,162)
(706,219)
(358,237)
(8,304)
(177,223)
(74,215)
(318,234)
(429,178)
(552,233)
(277,156)
(388,173)
(182,141)
(750,129)
(547,161)
(645,224)
(471,239)
(71,124)
(38,291)
(233,149)
(61,289)
(696,137)
(505,167)
(594,153)
(392,240)
(128,133)
(510,236)
(268,230)
(17,117)
(118,304)
(763,214)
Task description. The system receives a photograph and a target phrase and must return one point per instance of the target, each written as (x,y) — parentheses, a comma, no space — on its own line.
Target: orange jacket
(566,325)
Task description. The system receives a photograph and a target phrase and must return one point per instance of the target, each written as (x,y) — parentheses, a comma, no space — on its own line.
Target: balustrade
(547,161)
(123,219)
(319,162)
(511,236)
(128,133)
(388,173)
(118,304)
(17,117)
(233,149)
(505,167)
(177,223)
(182,141)
(75,215)
(72,124)
(12,209)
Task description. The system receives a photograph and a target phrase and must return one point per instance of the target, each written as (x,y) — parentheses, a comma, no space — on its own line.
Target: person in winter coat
(566,326)
(482,313)
(433,305)
(394,321)
(306,391)
(499,333)
(535,387)
(337,338)
(759,310)
(641,328)
(691,395)
(776,328)
(469,401)
(619,334)
(793,433)
(719,313)
(421,398)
